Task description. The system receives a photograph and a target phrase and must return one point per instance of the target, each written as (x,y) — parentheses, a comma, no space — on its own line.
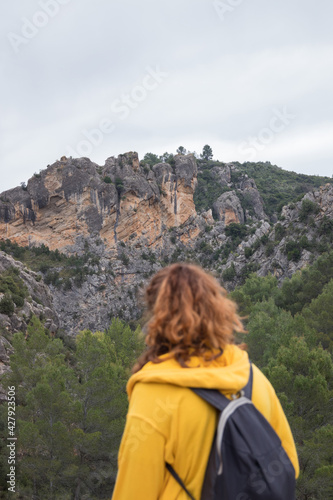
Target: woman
(190,343)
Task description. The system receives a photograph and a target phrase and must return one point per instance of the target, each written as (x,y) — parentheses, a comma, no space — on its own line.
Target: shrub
(248,252)
(44,268)
(305,243)
(269,248)
(264,239)
(7,305)
(308,207)
(236,230)
(124,259)
(119,184)
(230,273)
(67,284)
(326,227)
(107,179)
(280,232)
(293,250)
(18,299)
(52,277)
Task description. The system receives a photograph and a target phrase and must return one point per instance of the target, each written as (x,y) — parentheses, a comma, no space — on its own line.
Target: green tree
(167,158)
(103,360)
(230,273)
(255,289)
(236,230)
(319,315)
(71,409)
(7,305)
(207,153)
(181,150)
(151,159)
(308,207)
(45,412)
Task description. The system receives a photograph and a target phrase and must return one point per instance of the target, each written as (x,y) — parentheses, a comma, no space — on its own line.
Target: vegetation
(290,337)
(71,399)
(277,187)
(70,408)
(207,190)
(207,153)
(14,290)
(308,208)
(58,269)
(151,159)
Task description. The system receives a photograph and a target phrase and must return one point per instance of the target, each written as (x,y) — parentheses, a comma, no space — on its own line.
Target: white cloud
(225,79)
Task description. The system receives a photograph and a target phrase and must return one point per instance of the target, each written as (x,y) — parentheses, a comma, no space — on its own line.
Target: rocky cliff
(126,219)
(22,294)
(75,198)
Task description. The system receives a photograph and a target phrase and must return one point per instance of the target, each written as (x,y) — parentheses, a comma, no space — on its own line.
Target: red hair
(191,315)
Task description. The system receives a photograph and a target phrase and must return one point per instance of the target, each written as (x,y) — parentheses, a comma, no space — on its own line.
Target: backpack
(247,461)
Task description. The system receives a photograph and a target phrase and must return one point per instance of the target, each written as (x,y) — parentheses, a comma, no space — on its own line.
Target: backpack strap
(247,390)
(213,397)
(179,481)
(219,400)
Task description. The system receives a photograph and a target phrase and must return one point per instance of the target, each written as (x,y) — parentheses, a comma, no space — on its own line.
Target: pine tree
(207,153)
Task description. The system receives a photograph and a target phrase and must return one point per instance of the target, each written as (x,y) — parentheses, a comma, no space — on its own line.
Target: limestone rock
(38,302)
(40,299)
(228,208)
(75,198)
(253,199)
(222,175)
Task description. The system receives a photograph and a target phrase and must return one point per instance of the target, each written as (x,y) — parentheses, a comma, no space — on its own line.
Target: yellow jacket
(167,422)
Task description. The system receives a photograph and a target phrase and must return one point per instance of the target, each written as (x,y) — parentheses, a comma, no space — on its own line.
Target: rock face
(242,202)
(222,175)
(228,208)
(122,200)
(38,302)
(253,200)
(323,197)
(125,220)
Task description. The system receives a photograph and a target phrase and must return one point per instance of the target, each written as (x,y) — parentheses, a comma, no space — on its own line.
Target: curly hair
(190,315)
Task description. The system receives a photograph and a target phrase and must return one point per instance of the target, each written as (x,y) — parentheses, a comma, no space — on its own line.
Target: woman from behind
(190,343)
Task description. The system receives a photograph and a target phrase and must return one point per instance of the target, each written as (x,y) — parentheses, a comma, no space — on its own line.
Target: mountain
(96,233)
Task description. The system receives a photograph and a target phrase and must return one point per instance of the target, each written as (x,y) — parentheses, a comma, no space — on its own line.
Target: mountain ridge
(120,223)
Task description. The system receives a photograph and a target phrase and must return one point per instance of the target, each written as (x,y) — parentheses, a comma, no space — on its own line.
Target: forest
(71,401)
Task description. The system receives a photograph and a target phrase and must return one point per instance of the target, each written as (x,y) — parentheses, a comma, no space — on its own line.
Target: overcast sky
(97,78)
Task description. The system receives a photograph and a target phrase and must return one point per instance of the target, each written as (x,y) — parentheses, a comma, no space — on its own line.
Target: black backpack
(247,461)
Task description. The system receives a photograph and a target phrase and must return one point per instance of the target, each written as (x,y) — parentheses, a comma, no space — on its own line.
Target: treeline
(71,405)
(71,398)
(290,337)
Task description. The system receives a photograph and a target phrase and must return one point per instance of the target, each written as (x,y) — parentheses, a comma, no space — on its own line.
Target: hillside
(277,187)
(71,402)
(96,233)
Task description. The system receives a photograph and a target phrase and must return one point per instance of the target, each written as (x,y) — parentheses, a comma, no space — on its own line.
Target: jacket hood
(229,372)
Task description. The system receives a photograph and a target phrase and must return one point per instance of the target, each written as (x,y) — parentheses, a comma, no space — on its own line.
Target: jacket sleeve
(141,465)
